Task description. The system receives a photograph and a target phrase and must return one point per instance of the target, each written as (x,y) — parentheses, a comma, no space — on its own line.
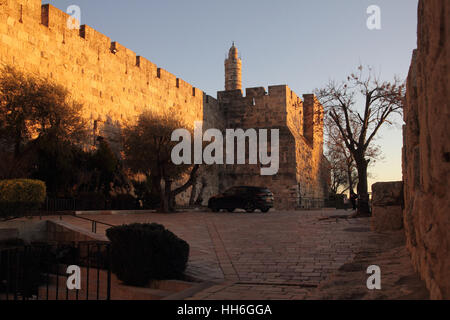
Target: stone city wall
(426,151)
(114,84)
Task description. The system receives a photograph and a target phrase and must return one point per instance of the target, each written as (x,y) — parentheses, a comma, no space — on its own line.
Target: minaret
(233,70)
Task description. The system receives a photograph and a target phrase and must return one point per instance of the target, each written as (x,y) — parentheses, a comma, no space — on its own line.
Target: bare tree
(344,174)
(358,123)
(148,147)
(343,167)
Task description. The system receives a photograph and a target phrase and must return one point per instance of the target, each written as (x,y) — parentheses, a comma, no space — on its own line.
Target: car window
(245,190)
(230,192)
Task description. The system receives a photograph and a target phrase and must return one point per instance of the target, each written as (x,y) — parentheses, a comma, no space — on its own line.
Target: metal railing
(39,271)
(58,205)
(311,203)
(86,204)
(94,223)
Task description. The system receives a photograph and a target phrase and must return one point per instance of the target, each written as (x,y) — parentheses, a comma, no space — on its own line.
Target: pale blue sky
(299,43)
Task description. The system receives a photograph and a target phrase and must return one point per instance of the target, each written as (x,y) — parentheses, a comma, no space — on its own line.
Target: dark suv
(247,198)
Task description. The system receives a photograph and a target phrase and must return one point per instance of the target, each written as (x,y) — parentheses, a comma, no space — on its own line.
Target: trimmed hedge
(21,195)
(144,252)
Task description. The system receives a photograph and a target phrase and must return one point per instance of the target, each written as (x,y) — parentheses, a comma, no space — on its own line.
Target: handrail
(73,214)
(94,222)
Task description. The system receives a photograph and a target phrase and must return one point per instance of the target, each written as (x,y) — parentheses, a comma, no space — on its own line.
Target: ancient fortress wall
(114,84)
(311,163)
(426,152)
(299,179)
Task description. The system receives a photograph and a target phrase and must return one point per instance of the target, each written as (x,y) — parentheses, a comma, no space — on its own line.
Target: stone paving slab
(398,279)
(280,255)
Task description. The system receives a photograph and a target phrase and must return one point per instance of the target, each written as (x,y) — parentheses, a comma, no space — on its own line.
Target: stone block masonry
(387,206)
(116,85)
(426,151)
(299,182)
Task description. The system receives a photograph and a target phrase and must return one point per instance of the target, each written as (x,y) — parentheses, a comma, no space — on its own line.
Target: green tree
(55,163)
(106,166)
(148,147)
(42,129)
(32,107)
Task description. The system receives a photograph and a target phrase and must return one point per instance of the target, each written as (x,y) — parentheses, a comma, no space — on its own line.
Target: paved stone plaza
(285,255)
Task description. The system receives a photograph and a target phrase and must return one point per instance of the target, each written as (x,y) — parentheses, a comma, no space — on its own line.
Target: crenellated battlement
(115,85)
(48,25)
(95,38)
(24,11)
(283,104)
(273,91)
(300,125)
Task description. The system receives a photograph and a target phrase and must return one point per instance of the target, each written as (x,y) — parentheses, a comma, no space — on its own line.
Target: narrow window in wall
(94,131)
(21,14)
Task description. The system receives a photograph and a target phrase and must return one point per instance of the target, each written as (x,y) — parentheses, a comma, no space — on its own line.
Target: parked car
(247,198)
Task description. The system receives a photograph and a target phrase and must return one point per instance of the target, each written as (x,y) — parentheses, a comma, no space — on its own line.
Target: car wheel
(250,208)
(214,209)
(231,210)
(265,210)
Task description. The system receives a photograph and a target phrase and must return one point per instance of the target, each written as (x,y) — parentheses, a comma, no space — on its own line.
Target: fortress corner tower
(233,70)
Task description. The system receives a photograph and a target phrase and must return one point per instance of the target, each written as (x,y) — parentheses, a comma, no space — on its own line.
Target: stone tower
(233,70)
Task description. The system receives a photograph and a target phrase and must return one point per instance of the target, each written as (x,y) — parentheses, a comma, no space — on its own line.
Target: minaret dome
(233,70)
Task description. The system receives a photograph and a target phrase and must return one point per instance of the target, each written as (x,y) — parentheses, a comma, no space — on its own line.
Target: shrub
(144,252)
(21,195)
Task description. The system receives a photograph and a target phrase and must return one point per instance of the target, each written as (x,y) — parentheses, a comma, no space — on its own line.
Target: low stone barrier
(61,231)
(9,234)
(387,206)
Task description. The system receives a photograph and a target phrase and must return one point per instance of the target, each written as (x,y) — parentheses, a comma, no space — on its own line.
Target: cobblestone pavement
(280,255)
